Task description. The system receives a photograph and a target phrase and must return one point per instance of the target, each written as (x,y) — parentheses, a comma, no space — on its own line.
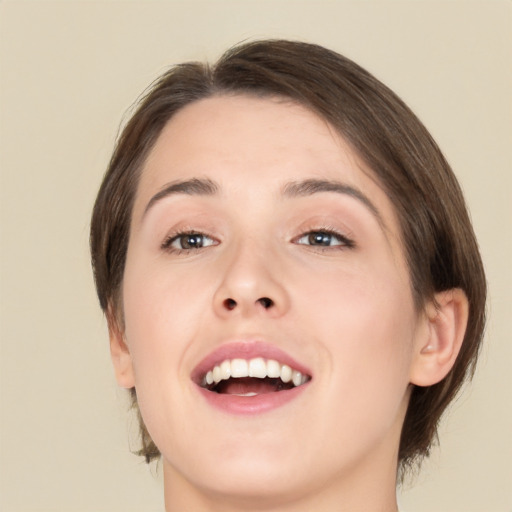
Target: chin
(246,475)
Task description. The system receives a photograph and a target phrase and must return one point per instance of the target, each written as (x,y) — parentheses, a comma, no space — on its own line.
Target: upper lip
(245,350)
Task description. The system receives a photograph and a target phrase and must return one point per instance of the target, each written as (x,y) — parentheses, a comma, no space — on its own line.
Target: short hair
(438,239)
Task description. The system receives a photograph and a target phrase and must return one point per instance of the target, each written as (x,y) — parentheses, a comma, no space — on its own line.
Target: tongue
(248,385)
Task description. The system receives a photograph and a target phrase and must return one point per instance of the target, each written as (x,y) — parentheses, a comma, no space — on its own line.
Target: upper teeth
(257,367)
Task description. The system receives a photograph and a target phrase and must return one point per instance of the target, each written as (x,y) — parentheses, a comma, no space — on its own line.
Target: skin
(344,310)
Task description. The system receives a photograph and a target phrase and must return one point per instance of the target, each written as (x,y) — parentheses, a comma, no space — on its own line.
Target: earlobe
(120,353)
(439,344)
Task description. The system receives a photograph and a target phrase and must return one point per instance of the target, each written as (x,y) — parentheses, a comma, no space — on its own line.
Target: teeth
(286,373)
(225,370)
(257,367)
(239,368)
(217,374)
(296,378)
(273,369)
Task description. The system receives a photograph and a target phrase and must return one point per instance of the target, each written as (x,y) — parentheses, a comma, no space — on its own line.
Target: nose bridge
(251,280)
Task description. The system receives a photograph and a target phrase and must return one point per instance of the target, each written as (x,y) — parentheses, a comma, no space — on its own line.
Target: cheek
(162,313)
(365,321)
(162,316)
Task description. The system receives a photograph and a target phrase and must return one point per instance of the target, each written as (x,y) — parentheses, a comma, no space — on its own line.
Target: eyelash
(344,241)
(167,243)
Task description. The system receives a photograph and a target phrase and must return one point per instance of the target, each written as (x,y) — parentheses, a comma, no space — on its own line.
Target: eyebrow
(316,186)
(192,187)
(207,187)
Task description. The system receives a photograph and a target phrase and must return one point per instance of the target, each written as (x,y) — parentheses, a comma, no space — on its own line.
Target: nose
(252,283)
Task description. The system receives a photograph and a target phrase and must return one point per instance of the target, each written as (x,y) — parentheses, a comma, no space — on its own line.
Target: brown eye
(191,241)
(320,238)
(324,239)
(188,241)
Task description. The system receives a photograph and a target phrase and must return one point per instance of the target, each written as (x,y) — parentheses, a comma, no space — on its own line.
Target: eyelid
(170,238)
(347,240)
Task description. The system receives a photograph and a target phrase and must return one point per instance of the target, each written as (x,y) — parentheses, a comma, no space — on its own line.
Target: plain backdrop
(69,71)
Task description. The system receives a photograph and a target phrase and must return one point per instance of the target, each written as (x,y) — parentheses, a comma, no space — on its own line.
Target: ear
(438,345)
(119,352)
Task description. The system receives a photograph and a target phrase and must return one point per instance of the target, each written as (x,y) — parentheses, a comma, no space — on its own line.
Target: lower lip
(257,404)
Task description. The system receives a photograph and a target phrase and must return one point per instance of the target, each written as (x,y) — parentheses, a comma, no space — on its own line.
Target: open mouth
(251,377)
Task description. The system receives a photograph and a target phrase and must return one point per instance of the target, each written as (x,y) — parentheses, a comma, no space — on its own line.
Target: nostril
(266,302)
(230,304)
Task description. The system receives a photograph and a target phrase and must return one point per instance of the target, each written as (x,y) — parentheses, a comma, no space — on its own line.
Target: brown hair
(439,241)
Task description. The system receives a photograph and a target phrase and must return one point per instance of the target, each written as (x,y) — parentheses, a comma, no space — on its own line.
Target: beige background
(69,71)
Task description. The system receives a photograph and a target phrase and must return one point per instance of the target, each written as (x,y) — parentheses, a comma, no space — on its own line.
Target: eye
(324,238)
(188,241)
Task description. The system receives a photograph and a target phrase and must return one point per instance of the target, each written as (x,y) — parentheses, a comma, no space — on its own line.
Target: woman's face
(257,236)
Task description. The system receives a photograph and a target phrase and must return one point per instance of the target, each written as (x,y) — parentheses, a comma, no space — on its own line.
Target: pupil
(319,238)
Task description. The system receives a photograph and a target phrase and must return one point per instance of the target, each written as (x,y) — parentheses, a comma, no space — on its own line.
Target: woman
(292,284)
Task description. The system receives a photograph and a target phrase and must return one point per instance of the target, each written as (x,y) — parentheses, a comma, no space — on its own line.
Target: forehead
(249,145)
